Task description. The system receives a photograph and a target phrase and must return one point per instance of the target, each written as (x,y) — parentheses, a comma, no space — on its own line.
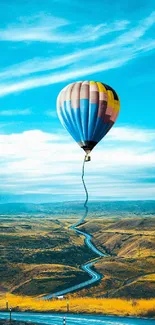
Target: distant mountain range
(96,208)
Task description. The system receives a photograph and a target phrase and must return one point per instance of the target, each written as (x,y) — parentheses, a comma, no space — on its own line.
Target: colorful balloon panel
(88,110)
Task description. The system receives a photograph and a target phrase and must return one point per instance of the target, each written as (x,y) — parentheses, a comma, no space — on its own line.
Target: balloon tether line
(86,191)
(78,223)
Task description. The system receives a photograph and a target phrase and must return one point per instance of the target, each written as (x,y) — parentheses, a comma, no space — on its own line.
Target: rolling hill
(129,270)
(40,254)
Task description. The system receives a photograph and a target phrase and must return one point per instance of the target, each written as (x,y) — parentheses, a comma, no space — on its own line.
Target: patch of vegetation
(110,306)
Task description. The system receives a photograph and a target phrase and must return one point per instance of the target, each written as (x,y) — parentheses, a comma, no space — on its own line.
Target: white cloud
(46,64)
(131,134)
(15,112)
(38,65)
(137,32)
(50,113)
(81,63)
(32,28)
(38,162)
(14,87)
(46,28)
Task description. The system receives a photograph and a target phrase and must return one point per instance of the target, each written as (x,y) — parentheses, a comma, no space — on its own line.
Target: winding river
(76,319)
(94,276)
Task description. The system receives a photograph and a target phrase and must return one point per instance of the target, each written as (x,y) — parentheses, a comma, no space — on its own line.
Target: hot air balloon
(88,110)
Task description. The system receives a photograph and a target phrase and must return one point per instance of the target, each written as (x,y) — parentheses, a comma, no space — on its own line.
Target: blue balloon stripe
(75,119)
(100,130)
(71,118)
(66,124)
(72,122)
(107,128)
(93,111)
(65,120)
(104,131)
(84,111)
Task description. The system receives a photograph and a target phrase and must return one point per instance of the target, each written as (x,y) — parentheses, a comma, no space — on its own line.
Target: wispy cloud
(35,82)
(44,64)
(15,112)
(50,113)
(29,164)
(40,65)
(46,28)
(137,32)
(40,72)
(33,28)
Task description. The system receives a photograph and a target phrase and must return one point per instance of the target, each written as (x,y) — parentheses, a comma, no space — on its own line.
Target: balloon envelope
(88,110)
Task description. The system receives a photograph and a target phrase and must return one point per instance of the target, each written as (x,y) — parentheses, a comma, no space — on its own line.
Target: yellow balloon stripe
(110,98)
(101,87)
(117,105)
(92,82)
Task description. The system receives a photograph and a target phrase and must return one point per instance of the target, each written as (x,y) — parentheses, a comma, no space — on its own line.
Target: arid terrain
(39,256)
(129,268)
(42,255)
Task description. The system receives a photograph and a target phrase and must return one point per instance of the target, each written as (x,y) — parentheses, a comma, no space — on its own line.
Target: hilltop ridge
(75,208)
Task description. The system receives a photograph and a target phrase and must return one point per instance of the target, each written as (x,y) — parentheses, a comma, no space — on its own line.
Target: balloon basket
(87,158)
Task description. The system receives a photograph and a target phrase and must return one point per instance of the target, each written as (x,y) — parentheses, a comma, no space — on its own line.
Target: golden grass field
(122,307)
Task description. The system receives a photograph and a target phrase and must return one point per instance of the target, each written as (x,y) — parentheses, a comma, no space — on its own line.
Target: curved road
(94,276)
(72,319)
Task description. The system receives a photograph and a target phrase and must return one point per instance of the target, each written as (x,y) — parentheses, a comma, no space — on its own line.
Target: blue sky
(45,45)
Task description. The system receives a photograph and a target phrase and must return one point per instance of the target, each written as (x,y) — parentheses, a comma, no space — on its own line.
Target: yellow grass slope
(121,307)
